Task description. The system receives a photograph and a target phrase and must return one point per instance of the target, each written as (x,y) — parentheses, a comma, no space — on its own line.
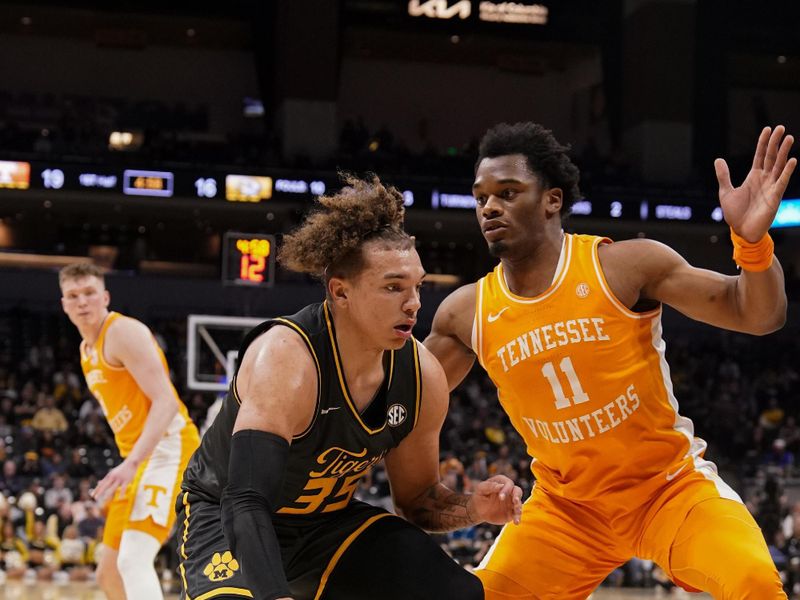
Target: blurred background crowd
(741,393)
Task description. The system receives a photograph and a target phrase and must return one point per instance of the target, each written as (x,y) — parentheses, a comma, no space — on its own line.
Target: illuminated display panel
(247,188)
(213,185)
(15,175)
(148,183)
(248,259)
(788,214)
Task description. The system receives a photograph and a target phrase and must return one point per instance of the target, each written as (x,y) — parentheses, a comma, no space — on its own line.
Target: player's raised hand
(496,500)
(750,208)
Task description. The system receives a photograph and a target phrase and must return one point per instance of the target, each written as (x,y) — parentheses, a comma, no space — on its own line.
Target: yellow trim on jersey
(183,545)
(340,373)
(391,369)
(341,550)
(233,591)
(418,381)
(235,393)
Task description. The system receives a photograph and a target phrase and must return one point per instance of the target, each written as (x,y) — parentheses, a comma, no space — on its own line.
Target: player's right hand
(750,208)
(496,500)
(118,477)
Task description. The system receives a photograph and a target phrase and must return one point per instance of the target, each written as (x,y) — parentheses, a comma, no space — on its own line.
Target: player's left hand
(118,477)
(496,500)
(750,208)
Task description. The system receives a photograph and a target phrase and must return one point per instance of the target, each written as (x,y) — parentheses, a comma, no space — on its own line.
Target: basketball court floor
(13,590)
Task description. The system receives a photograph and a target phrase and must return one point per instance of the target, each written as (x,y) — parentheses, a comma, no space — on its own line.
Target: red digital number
(251,268)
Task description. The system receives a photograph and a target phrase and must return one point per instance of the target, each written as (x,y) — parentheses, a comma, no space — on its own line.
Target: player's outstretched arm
(131,344)
(413,469)
(450,339)
(752,302)
(277,386)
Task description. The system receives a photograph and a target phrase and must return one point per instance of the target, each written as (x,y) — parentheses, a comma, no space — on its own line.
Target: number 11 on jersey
(578,395)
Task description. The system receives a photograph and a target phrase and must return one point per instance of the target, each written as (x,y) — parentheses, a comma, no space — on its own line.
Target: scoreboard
(300,188)
(203,185)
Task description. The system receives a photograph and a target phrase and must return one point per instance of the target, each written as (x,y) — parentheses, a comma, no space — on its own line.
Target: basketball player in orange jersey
(128,374)
(569,329)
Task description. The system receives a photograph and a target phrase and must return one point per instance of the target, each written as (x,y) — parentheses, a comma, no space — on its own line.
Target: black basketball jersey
(340,445)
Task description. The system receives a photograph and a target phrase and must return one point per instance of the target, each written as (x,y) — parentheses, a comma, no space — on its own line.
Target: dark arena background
(173,143)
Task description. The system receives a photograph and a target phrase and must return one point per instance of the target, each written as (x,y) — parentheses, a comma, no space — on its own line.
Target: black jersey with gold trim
(341,444)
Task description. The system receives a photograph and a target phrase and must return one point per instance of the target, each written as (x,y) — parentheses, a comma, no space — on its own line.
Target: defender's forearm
(761,299)
(440,509)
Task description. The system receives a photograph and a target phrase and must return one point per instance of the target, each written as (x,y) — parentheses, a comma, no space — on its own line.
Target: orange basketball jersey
(584,381)
(124,405)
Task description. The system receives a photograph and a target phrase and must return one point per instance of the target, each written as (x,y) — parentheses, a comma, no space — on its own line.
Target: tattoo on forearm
(441,509)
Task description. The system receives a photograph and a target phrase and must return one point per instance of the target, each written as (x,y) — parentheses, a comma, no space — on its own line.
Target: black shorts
(310,546)
(358,553)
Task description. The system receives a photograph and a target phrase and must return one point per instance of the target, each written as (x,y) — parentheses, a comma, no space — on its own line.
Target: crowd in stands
(741,393)
(48,126)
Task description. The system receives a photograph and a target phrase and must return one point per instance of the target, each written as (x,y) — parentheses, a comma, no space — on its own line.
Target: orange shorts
(147,503)
(696,529)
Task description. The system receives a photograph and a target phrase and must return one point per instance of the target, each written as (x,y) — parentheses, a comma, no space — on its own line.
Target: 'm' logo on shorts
(396,414)
(221,567)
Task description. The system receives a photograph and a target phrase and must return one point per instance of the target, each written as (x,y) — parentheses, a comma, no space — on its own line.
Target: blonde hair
(81,269)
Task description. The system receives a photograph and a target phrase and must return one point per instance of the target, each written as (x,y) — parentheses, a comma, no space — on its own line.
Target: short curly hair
(330,240)
(545,156)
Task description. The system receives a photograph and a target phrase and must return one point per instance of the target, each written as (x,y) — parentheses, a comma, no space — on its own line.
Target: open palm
(750,208)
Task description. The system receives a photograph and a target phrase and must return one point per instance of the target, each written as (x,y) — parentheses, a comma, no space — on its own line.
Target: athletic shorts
(146,505)
(563,550)
(310,548)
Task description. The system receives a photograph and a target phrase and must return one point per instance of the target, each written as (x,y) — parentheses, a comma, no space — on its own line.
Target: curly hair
(545,156)
(330,240)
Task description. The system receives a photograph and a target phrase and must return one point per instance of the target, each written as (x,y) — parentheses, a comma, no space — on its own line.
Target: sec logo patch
(396,414)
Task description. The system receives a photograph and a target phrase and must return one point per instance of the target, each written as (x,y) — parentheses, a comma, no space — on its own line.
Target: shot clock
(248,259)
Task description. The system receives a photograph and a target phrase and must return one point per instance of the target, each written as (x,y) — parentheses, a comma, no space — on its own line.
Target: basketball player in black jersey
(320,397)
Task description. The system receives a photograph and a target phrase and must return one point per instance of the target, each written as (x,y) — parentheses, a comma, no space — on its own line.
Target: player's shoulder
(456,314)
(279,344)
(434,380)
(634,249)
(427,361)
(277,361)
(125,327)
(459,302)
(636,255)
(630,265)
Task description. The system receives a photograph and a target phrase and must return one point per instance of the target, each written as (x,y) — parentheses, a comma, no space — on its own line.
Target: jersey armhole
(113,317)
(601,278)
(299,330)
